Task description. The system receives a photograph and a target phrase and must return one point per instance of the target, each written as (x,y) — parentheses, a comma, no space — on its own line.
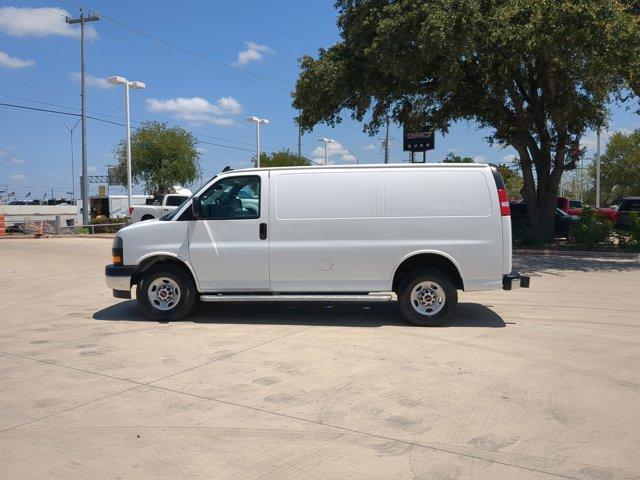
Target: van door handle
(263,231)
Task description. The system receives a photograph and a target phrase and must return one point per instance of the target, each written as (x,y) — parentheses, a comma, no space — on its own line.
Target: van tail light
(130,210)
(503,198)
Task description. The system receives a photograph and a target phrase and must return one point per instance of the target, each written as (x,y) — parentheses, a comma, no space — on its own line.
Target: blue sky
(241,60)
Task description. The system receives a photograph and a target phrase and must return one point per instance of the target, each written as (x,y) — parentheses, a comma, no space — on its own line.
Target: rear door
(228,248)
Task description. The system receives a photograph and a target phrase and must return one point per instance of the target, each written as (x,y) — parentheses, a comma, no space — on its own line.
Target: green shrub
(634,230)
(100,220)
(591,231)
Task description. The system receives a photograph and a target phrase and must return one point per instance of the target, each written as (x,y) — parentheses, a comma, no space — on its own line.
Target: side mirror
(196,209)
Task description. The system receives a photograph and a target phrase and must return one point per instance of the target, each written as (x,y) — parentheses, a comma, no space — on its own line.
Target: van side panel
(348,230)
(451,211)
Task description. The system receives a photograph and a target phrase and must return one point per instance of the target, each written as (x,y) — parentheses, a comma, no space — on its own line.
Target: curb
(577,253)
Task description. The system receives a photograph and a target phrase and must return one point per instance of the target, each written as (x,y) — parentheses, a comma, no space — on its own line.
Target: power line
(193,53)
(60,112)
(188,62)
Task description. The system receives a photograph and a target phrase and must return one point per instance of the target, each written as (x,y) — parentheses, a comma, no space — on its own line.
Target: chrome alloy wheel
(164,293)
(427,298)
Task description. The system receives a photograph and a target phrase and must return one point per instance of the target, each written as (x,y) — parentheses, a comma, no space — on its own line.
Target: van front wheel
(427,297)
(166,292)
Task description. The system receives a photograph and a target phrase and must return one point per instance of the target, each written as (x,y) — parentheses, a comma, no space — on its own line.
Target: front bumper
(514,280)
(119,279)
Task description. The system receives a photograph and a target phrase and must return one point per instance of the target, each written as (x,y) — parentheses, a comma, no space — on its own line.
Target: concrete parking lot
(532,384)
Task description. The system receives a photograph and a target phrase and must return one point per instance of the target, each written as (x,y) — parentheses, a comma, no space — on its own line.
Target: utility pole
(386,144)
(299,141)
(83,96)
(598,168)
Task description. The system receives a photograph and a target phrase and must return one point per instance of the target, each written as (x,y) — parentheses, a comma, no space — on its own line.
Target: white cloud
(91,169)
(253,53)
(98,82)
(15,161)
(371,146)
(333,150)
(509,158)
(197,110)
(453,150)
(17,177)
(14,62)
(39,22)
(590,141)
(479,159)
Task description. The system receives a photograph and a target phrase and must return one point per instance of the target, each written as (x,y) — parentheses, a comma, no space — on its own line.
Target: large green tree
(161,157)
(620,169)
(513,181)
(282,158)
(536,73)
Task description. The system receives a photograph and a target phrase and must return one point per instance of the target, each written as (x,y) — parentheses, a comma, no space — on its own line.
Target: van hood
(138,226)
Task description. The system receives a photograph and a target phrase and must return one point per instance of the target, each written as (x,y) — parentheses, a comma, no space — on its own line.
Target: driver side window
(232,198)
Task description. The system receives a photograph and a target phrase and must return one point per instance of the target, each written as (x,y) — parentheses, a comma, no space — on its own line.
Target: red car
(574,207)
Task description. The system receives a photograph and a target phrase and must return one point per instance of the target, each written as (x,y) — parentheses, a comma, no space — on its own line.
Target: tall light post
(258,122)
(598,168)
(138,86)
(354,155)
(326,141)
(73,173)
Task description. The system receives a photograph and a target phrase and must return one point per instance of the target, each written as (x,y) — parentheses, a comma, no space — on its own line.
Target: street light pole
(354,155)
(128,127)
(598,168)
(258,122)
(139,86)
(326,141)
(73,174)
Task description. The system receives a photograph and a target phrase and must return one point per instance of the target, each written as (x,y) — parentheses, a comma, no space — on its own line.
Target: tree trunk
(541,195)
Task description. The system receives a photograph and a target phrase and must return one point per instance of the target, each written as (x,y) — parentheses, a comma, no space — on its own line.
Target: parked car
(412,233)
(520,219)
(627,205)
(575,207)
(169,203)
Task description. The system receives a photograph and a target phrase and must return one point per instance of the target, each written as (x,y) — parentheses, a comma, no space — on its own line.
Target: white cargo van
(412,233)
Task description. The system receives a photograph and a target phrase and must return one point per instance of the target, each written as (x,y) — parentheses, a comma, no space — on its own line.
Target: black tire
(186,287)
(411,281)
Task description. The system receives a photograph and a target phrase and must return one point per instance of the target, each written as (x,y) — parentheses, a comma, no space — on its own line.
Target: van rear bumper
(514,280)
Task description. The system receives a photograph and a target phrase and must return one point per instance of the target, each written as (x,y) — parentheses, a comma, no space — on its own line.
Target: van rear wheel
(165,293)
(427,297)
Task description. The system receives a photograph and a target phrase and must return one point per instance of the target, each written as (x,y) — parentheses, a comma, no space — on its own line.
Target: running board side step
(361,297)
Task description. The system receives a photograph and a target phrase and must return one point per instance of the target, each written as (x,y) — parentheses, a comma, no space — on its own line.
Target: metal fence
(57,226)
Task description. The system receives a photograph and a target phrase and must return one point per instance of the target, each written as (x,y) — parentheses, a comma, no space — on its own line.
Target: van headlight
(116,250)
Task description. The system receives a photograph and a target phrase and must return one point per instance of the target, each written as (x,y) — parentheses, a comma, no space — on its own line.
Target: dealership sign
(418,140)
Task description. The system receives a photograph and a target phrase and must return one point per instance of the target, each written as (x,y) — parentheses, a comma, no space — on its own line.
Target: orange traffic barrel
(3,226)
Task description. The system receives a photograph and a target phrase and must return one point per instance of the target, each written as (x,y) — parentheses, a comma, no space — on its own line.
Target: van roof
(366,165)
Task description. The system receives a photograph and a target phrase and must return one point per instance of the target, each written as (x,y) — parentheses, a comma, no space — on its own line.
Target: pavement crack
(136,384)
(70,408)
(223,357)
(369,434)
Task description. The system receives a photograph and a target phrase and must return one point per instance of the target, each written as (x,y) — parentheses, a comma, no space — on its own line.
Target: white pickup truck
(170,202)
